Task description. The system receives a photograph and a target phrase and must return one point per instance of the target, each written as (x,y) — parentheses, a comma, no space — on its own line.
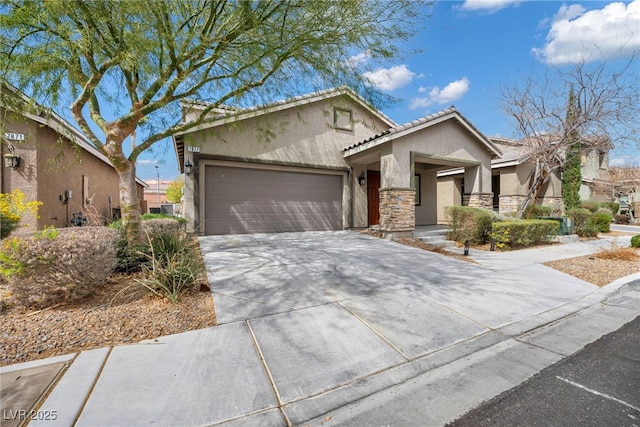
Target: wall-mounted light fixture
(188,167)
(361,179)
(11,160)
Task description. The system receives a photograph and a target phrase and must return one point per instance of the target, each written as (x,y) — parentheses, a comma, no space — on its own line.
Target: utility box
(168,209)
(566,224)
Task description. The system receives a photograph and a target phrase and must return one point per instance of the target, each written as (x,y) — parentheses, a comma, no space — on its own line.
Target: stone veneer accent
(478,200)
(512,203)
(397,209)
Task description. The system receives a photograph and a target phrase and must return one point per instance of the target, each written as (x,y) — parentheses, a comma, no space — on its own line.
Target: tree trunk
(129,204)
(539,178)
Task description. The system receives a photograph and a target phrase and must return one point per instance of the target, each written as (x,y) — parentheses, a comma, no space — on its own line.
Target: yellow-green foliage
(511,234)
(12,208)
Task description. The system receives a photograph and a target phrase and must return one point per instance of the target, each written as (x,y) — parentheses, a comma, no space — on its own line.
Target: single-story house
(325,161)
(50,161)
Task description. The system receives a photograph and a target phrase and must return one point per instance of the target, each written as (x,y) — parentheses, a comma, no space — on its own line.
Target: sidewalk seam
(93,386)
(375,331)
(268,372)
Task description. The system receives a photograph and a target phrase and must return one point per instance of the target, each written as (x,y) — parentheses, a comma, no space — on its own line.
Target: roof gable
(396,132)
(49,118)
(235,115)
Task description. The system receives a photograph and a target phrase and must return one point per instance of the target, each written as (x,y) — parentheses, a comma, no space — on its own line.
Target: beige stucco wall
(51,165)
(449,194)
(300,137)
(427,210)
(303,136)
(514,181)
(444,141)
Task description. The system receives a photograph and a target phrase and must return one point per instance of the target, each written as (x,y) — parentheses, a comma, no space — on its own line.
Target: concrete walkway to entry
(340,328)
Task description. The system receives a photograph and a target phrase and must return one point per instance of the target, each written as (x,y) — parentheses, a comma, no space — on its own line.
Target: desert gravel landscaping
(119,313)
(101,320)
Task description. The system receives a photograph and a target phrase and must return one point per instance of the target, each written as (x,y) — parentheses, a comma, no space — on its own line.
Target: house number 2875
(14,136)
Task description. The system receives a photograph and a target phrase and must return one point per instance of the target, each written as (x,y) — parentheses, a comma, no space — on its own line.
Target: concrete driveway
(256,275)
(337,316)
(338,328)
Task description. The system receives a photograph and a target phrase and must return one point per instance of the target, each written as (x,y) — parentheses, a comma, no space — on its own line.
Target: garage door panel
(240,200)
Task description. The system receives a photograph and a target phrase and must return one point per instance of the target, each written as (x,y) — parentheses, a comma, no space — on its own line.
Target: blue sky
(469,48)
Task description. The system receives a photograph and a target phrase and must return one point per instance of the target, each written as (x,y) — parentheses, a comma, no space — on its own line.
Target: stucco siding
(299,136)
(65,167)
(447,140)
(449,194)
(50,166)
(427,210)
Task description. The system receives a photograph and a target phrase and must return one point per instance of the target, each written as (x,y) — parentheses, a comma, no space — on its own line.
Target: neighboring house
(622,185)
(325,161)
(60,168)
(512,176)
(512,172)
(155,194)
(595,167)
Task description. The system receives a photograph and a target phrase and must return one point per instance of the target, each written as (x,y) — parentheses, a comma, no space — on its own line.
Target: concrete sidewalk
(333,328)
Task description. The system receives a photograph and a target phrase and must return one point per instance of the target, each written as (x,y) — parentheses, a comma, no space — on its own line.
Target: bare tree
(125,65)
(605,112)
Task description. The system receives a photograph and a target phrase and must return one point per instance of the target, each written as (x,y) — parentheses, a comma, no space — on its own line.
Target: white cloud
(146,162)
(450,93)
(624,161)
(359,59)
(390,78)
(578,35)
(487,5)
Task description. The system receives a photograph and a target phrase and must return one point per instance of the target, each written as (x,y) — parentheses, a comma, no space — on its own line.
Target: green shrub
(467,223)
(611,206)
(132,256)
(538,211)
(49,267)
(635,241)
(174,263)
(522,233)
(590,205)
(583,226)
(149,216)
(601,221)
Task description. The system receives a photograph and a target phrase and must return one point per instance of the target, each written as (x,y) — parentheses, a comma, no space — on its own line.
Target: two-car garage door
(241,200)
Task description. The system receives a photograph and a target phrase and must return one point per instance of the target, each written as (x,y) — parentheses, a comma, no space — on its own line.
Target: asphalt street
(597,386)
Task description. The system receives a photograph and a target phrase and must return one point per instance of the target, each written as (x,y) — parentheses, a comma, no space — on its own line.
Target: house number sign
(14,136)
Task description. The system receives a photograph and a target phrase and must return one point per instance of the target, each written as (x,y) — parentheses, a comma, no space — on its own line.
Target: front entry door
(373,197)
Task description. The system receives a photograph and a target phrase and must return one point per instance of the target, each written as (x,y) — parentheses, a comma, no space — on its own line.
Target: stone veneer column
(397,212)
(480,200)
